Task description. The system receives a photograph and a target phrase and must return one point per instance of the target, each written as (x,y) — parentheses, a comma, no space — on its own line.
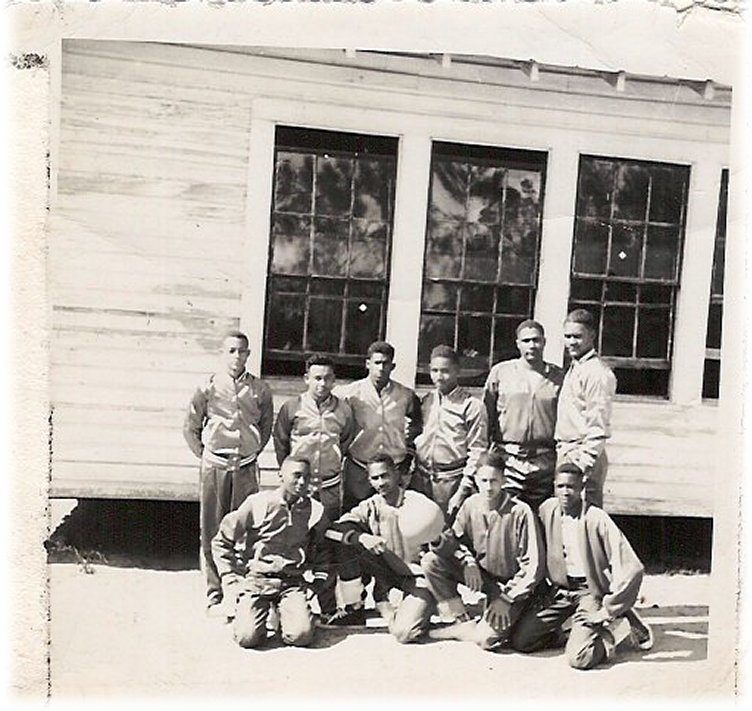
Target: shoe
(346,617)
(608,643)
(272,619)
(640,633)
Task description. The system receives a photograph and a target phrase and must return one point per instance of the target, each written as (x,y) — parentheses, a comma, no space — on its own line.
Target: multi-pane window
(331,233)
(481,257)
(712,372)
(629,231)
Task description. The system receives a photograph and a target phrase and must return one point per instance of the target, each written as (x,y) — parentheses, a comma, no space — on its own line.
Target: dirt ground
(129,625)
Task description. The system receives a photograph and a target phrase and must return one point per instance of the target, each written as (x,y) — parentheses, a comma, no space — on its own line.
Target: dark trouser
(223,489)
(331,498)
(443,575)
(595,477)
(356,486)
(529,475)
(540,627)
(414,612)
(252,609)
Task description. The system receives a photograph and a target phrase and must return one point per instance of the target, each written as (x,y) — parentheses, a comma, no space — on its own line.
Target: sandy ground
(120,631)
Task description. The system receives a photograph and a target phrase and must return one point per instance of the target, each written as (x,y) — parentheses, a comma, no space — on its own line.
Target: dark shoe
(640,634)
(345,617)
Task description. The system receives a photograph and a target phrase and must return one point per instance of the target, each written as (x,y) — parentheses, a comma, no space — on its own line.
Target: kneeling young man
(382,537)
(595,578)
(493,547)
(282,529)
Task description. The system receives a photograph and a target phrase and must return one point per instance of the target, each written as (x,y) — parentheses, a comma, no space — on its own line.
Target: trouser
(541,625)
(529,474)
(595,476)
(356,486)
(440,486)
(413,613)
(331,499)
(443,575)
(223,489)
(252,609)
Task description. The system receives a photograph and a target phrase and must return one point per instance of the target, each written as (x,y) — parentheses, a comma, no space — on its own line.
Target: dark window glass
(711,377)
(629,231)
(481,257)
(331,231)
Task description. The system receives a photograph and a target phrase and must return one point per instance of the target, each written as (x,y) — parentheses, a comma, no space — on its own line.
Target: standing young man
(229,421)
(594,576)
(493,547)
(262,551)
(521,397)
(455,433)
(382,537)
(388,418)
(318,426)
(583,421)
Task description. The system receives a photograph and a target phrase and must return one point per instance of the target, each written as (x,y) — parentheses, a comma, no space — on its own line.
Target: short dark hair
(296,458)
(491,458)
(444,351)
(318,359)
(382,347)
(582,316)
(234,333)
(530,323)
(570,468)
(380,457)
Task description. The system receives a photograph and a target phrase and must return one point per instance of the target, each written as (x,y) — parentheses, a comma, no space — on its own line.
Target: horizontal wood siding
(147,242)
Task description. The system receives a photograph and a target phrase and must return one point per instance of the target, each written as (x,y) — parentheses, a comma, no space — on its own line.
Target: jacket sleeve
(413,423)
(282,431)
(477,442)
(351,524)
(454,542)
(600,388)
(195,418)
(626,569)
(490,401)
(234,526)
(266,405)
(529,558)
(350,429)
(319,552)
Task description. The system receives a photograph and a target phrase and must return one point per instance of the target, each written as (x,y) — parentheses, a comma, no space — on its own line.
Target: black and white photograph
(378,349)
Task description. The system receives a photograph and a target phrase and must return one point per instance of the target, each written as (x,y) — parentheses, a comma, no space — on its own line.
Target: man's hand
(497,614)
(473,578)
(591,618)
(373,544)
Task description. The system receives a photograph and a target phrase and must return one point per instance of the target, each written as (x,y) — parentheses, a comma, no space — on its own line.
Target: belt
(228,460)
(576,583)
(439,472)
(525,450)
(364,465)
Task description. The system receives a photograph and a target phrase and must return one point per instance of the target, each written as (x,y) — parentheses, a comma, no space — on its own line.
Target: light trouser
(413,614)
(223,489)
(439,485)
(595,476)
(528,472)
(443,575)
(541,626)
(252,608)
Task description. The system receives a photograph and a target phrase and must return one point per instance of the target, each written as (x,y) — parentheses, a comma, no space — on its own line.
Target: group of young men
(420,495)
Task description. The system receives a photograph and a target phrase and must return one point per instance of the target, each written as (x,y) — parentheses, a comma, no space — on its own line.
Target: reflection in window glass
(481,256)
(331,231)
(629,231)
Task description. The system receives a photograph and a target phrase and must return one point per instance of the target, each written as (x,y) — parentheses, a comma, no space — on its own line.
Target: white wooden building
(321,198)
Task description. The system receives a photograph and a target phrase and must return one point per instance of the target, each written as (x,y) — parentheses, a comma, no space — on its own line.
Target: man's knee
(247,634)
(300,635)
(524,638)
(587,656)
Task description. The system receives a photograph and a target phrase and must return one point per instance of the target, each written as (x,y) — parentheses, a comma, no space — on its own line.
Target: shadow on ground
(157,535)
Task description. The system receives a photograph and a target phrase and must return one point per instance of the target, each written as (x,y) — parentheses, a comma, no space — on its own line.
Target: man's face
(235,353)
(380,367)
(568,489)
(383,478)
(530,344)
(489,481)
(578,339)
(444,374)
(295,477)
(319,380)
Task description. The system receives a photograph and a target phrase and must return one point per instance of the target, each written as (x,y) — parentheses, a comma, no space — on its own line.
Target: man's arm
(477,442)
(490,401)
(626,569)
(266,405)
(350,429)
(413,423)
(195,418)
(529,557)
(283,430)
(233,527)
(599,391)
